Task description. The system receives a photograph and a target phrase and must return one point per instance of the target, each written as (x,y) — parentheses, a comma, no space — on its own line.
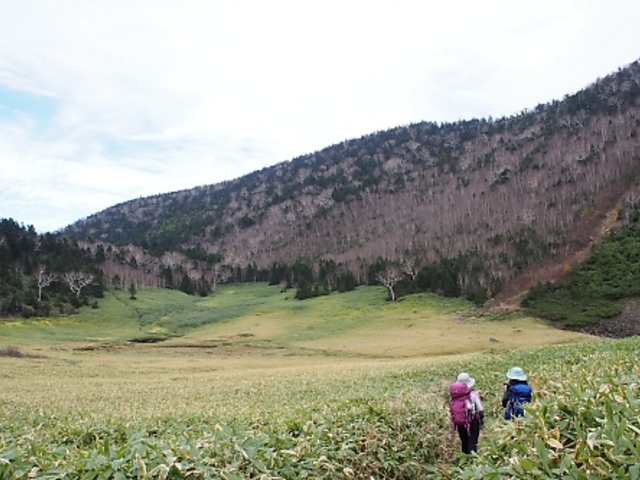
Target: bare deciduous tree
(233,262)
(389,277)
(77,281)
(410,267)
(44,279)
(220,275)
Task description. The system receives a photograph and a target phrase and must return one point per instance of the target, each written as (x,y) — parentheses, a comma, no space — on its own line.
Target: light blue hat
(516,373)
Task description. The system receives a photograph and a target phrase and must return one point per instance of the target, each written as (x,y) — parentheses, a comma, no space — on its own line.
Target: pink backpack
(460,405)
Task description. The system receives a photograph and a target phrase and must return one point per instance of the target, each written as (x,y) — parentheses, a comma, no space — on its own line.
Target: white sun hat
(516,373)
(465,378)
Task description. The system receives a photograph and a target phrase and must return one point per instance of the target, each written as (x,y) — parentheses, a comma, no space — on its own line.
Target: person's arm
(505,395)
(475,396)
(478,407)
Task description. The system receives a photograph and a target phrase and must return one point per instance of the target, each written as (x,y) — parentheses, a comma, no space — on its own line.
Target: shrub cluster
(589,295)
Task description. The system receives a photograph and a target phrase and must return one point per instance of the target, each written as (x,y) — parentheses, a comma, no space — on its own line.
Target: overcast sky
(106,101)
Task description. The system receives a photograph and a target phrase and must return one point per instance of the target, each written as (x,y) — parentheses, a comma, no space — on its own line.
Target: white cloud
(146,97)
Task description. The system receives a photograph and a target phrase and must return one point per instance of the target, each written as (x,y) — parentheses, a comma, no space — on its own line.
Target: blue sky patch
(39,107)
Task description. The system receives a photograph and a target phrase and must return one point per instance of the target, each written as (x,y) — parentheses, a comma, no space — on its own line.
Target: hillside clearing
(255,325)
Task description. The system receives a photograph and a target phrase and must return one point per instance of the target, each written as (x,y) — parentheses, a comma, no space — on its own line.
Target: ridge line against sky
(106,101)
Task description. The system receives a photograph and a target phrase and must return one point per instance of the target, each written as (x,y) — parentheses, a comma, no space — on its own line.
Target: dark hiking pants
(469,437)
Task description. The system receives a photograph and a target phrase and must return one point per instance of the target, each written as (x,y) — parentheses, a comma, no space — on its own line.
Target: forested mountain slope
(496,196)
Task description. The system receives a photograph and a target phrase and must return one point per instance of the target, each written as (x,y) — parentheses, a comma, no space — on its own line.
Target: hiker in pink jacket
(467,412)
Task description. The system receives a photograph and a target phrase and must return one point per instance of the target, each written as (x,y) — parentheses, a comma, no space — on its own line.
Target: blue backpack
(519,394)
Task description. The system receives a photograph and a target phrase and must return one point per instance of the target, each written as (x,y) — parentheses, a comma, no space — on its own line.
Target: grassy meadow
(251,383)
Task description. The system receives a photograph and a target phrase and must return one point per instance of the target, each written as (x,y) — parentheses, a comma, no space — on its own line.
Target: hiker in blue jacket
(517,392)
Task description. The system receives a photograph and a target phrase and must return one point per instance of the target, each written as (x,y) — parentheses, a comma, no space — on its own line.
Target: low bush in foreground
(384,422)
(584,423)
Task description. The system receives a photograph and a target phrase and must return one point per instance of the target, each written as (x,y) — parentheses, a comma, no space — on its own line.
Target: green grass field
(251,383)
(258,319)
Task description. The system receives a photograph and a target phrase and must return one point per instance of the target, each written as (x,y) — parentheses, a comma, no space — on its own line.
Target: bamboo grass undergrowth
(386,420)
(275,390)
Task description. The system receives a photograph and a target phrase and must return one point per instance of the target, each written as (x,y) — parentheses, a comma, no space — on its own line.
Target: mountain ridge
(497,196)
